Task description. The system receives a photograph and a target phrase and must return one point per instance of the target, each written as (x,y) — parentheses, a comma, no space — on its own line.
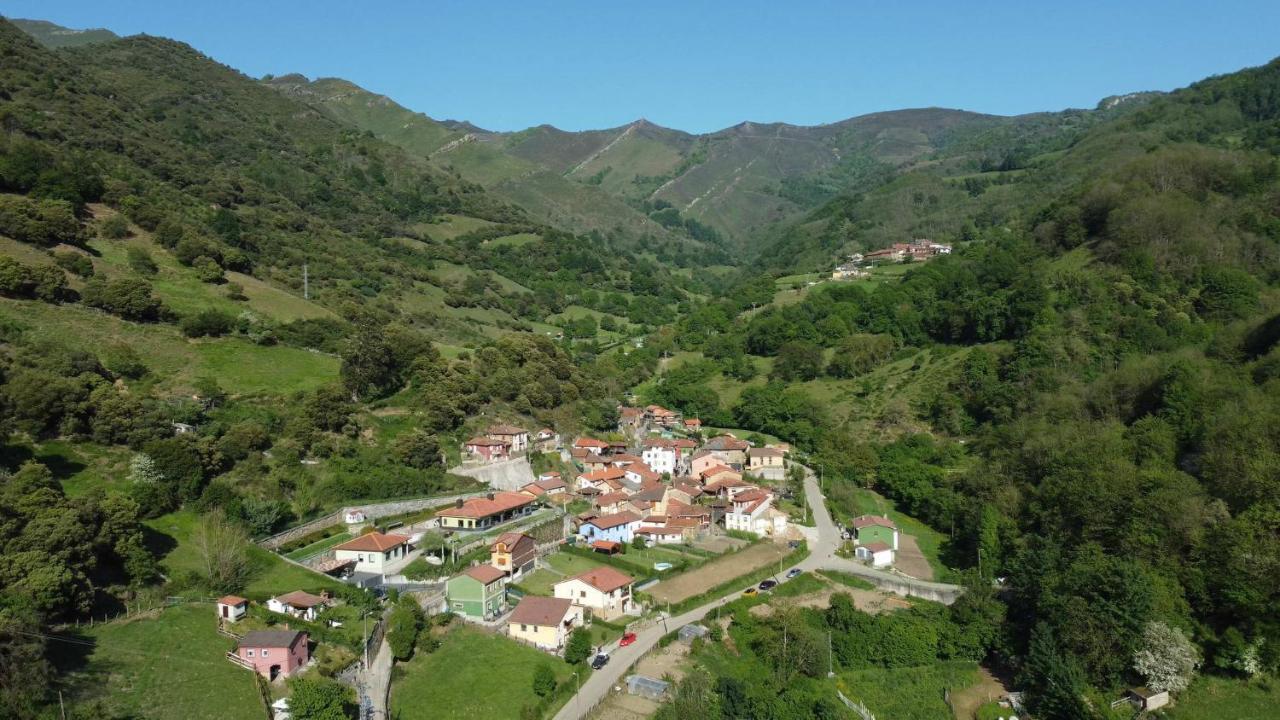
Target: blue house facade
(619,527)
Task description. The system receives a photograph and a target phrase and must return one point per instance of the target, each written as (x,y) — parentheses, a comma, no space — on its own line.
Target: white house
(355,516)
(373,552)
(544,622)
(516,438)
(752,511)
(299,604)
(661,534)
(606,592)
(661,457)
(879,554)
(232,607)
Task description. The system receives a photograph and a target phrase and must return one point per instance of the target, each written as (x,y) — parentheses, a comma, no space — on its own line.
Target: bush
(544,680)
(141,262)
(578,649)
(129,298)
(235,291)
(38,222)
(74,262)
(207,323)
(115,227)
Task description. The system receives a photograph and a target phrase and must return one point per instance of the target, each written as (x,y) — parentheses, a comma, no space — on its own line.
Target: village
(917,250)
(630,529)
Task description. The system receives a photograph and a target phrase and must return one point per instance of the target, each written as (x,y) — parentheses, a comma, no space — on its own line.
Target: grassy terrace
(860,501)
(172,665)
(1209,698)
(472,675)
(318,547)
(915,693)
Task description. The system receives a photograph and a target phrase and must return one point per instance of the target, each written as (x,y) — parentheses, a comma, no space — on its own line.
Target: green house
(477,592)
(869,529)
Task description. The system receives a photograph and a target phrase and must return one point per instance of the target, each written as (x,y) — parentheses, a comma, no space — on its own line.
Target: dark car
(600,661)
(768,585)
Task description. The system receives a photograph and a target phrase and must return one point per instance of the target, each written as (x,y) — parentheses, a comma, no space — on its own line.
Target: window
(523,627)
(248,653)
(265,652)
(582,593)
(360,557)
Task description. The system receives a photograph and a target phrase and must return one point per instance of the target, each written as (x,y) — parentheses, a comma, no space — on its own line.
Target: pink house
(488,448)
(274,653)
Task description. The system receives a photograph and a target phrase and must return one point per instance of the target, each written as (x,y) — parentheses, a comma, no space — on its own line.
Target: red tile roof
(611,473)
(482,507)
(231,600)
(606,522)
(510,540)
(587,442)
(876,547)
(486,574)
(301,599)
(486,442)
(373,542)
(869,520)
(541,611)
(603,578)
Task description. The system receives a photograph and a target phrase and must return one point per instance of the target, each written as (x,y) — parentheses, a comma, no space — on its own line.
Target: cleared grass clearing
(723,569)
(915,693)
(170,665)
(451,226)
(472,674)
(1210,698)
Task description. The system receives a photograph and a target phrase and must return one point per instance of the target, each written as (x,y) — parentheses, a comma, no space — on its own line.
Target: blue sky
(702,66)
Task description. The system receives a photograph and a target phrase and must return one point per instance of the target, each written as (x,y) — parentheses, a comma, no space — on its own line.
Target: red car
(627,639)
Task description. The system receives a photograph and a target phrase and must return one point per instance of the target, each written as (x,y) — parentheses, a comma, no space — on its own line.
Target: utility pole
(306,283)
(830,666)
(365,619)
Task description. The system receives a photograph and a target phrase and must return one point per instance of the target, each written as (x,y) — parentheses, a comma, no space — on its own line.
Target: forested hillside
(1103,342)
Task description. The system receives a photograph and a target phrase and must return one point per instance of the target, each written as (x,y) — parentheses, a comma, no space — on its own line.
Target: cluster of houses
(273,653)
(502,442)
(480,593)
(918,250)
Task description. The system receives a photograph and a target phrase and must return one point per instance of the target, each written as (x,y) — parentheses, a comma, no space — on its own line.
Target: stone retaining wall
(371,510)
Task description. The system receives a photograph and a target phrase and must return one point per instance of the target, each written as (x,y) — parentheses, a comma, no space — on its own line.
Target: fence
(372,511)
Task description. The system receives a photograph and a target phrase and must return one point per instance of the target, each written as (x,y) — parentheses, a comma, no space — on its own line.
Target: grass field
(703,578)
(908,693)
(473,674)
(563,565)
(238,365)
(318,547)
(272,575)
(1210,698)
(451,226)
(170,666)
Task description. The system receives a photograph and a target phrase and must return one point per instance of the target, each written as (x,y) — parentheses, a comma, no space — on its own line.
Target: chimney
(489,495)
(457,503)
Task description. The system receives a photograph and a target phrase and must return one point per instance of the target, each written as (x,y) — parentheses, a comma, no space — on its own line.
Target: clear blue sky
(702,66)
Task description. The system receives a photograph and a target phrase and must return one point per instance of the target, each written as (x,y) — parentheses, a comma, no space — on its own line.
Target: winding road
(822,556)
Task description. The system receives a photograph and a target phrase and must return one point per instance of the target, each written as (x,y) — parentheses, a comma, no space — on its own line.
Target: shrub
(115,227)
(38,222)
(207,323)
(544,680)
(127,297)
(74,262)
(578,649)
(141,262)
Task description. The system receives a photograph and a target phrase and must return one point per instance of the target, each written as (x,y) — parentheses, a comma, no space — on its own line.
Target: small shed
(689,632)
(1144,698)
(356,516)
(232,607)
(647,687)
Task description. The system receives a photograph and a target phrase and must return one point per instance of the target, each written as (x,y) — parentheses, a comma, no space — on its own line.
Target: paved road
(822,555)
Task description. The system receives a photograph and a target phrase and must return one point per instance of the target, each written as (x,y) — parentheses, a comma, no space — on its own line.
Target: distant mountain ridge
(52,35)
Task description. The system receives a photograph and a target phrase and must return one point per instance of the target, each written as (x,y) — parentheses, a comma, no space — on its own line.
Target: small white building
(355,516)
(877,553)
(232,607)
(299,604)
(373,552)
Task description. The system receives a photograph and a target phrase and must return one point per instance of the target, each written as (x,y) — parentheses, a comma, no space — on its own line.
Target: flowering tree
(1167,659)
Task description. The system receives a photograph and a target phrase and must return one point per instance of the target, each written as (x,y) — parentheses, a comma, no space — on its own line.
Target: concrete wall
(508,475)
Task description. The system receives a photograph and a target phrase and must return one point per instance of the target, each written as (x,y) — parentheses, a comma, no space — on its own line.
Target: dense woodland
(1104,454)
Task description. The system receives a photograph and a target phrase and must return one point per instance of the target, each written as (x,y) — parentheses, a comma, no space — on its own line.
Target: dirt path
(965,703)
(720,570)
(868,601)
(910,560)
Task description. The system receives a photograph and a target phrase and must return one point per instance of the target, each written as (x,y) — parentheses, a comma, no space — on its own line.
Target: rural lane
(821,556)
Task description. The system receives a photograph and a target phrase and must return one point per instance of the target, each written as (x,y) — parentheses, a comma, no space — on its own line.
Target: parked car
(600,661)
(793,544)
(793,572)
(750,592)
(767,585)
(627,639)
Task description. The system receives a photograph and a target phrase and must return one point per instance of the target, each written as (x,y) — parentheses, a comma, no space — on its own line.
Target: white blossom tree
(142,469)
(1167,659)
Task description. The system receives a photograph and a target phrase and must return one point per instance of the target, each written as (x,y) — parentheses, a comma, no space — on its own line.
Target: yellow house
(543,621)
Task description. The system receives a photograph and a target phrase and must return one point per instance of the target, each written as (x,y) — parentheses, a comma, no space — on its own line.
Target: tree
(797,360)
(578,649)
(403,625)
(25,672)
(207,323)
(321,699)
(1167,659)
(115,227)
(221,548)
(140,260)
(142,469)
(544,680)
(417,449)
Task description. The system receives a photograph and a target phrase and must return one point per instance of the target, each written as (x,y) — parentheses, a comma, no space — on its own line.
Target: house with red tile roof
(299,604)
(544,622)
(484,512)
(479,592)
(487,449)
(373,552)
(605,591)
(617,526)
(517,438)
(514,554)
(599,478)
(231,608)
